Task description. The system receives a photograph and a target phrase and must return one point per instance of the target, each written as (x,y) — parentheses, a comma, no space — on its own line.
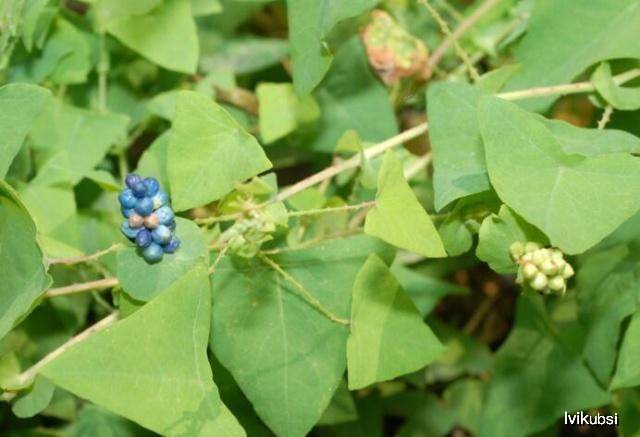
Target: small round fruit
(153,253)
(143,238)
(531,246)
(127,199)
(151,221)
(516,250)
(539,257)
(128,231)
(126,213)
(172,245)
(139,190)
(529,270)
(165,215)
(548,267)
(152,185)
(135,221)
(567,271)
(171,225)
(132,179)
(160,199)
(144,206)
(161,234)
(539,282)
(557,283)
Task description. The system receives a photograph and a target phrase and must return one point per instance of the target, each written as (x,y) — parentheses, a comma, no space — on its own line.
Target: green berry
(529,270)
(539,282)
(517,250)
(557,284)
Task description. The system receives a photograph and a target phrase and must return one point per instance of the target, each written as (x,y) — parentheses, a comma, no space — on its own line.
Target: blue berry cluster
(150,221)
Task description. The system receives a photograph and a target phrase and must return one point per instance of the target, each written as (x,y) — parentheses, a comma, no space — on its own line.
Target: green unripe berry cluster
(245,238)
(543,269)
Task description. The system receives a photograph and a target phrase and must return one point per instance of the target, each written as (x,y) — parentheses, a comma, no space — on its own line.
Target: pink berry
(135,221)
(151,221)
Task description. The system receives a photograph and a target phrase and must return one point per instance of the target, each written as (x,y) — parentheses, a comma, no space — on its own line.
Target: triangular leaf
(166,35)
(152,367)
(22,270)
(388,337)
(208,152)
(19,106)
(551,189)
(286,357)
(398,218)
(143,281)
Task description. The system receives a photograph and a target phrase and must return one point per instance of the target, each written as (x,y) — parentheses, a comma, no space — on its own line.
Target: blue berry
(128,231)
(171,225)
(144,206)
(153,186)
(160,199)
(172,245)
(132,179)
(126,213)
(127,199)
(165,215)
(143,238)
(139,190)
(161,234)
(153,253)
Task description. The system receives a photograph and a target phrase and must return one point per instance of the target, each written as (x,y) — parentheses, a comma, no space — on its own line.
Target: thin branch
(302,291)
(27,376)
(313,242)
(222,218)
(444,26)
(606,117)
(85,258)
(441,50)
(83,286)
(353,162)
(417,166)
(307,212)
(221,254)
(571,88)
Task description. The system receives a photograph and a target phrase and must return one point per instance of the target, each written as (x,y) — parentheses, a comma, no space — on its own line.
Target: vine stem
(444,26)
(571,88)
(28,375)
(353,162)
(83,286)
(441,50)
(222,252)
(303,292)
(85,258)
(307,212)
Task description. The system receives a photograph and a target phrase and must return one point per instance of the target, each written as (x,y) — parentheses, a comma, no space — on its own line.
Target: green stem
(303,292)
(85,258)
(330,210)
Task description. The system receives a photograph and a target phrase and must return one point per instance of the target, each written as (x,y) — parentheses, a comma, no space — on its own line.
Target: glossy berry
(126,213)
(171,225)
(139,190)
(151,221)
(132,179)
(143,238)
(165,215)
(172,245)
(153,253)
(153,186)
(128,231)
(144,206)
(160,199)
(127,199)
(161,234)
(135,221)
